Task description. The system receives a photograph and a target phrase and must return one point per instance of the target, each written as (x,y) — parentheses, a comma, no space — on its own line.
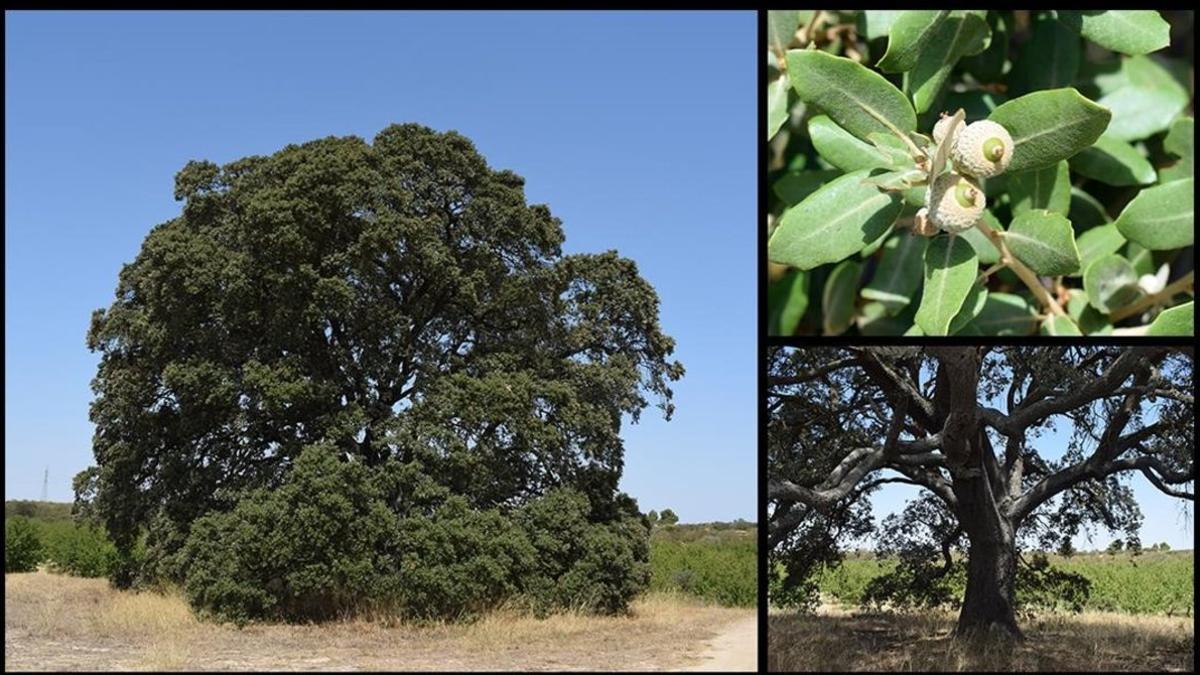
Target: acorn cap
(955,202)
(983,149)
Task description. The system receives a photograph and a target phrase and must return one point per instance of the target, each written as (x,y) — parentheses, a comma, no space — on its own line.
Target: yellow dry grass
(55,622)
(836,639)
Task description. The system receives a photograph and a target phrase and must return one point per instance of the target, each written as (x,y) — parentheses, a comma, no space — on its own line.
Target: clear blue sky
(638,129)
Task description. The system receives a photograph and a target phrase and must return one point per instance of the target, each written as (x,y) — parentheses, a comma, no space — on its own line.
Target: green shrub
(311,549)
(326,543)
(22,548)
(581,564)
(82,550)
(459,562)
(722,568)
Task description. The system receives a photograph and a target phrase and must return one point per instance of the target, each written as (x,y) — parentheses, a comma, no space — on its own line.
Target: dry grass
(838,640)
(55,622)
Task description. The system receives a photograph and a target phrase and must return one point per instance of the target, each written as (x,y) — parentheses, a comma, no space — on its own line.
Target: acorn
(983,149)
(939,129)
(955,202)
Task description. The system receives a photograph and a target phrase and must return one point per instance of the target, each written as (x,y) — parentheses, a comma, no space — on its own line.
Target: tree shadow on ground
(923,642)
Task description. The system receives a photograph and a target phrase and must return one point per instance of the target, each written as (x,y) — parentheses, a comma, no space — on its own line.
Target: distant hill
(37,509)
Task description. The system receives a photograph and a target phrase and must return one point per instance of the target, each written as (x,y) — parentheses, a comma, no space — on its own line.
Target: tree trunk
(991,583)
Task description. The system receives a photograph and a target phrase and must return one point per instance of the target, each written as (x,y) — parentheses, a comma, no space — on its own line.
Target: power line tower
(45,482)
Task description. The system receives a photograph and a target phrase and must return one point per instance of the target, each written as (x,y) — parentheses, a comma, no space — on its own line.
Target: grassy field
(1150,583)
(836,639)
(59,622)
(713,561)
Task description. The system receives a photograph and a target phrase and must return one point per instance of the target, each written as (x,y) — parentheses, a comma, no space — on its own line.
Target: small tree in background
(1066,548)
(1163,546)
(652,517)
(22,547)
(668,517)
(1115,547)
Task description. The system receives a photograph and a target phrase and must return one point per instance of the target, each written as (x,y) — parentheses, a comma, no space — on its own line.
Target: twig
(1182,283)
(807,31)
(1025,274)
(989,272)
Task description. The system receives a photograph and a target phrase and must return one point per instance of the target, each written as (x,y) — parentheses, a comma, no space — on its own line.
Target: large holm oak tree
(398,302)
(981,431)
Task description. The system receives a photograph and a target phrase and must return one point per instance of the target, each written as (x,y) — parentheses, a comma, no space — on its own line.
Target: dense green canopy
(398,302)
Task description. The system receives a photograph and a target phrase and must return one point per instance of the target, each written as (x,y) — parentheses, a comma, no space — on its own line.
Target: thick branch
(896,386)
(1100,387)
(1094,467)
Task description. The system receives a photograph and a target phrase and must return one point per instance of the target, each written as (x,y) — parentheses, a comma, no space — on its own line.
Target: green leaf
(1005,314)
(988,66)
(777,106)
(971,308)
(1179,142)
(1058,324)
(877,23)
(1144,98)
(1113,162)
(873,319)
(909,33)
(787,299)
(1049,60)
(898,273)
(1129,31)
(793,187)
(1090,321)
(1110,282)
(1141,258)
(781,28)
(837,298)
(1049,126)
(1086,212)
(833,223)
(860,100)
(1179,320)
(962,34)
(983,246)
(848,153)
(897,180)
(950,270)
(1048,189)
(1044,241)
(1097,243)
(1161,217)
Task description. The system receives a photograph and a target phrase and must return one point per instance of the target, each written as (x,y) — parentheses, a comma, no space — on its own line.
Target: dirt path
(735,648)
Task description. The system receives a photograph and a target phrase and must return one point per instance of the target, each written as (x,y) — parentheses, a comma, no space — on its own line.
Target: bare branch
(811,374)
(895,385)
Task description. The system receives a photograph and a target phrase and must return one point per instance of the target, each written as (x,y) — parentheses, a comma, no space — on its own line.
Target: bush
(723,569)
(313,548)
(459,562)
(22,549)
(82,550)
(325,543)
(580,564)
(1062,176)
